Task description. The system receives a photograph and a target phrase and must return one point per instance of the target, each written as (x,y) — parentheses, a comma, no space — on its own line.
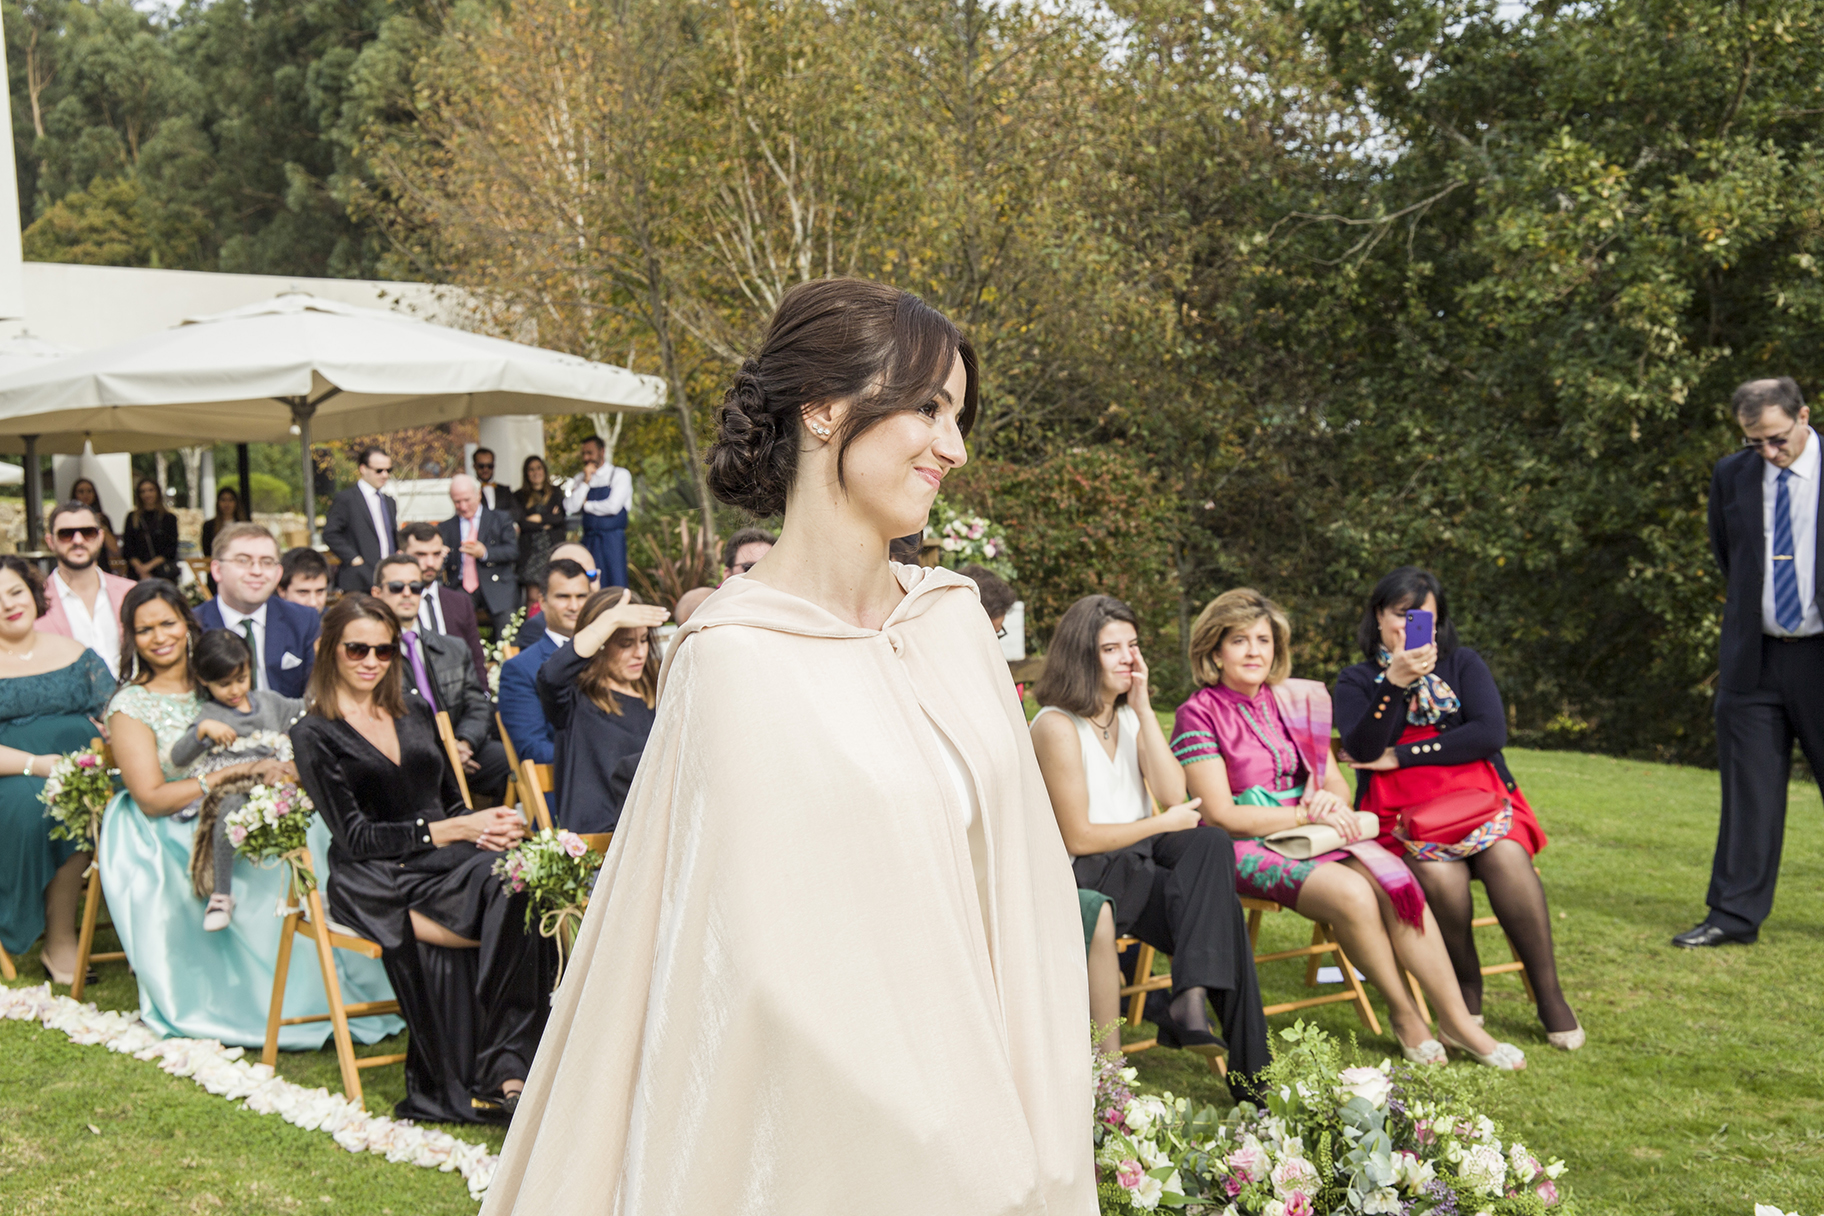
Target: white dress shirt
(490,496)
(377,513)
(98,630)
(1802,488)
(430,612)
(232,620)
(620,492)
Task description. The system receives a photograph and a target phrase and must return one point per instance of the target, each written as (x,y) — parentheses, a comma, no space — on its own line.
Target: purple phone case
(1418,628)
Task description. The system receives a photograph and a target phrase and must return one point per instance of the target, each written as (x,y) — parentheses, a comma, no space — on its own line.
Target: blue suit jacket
(520,711)
(291,631)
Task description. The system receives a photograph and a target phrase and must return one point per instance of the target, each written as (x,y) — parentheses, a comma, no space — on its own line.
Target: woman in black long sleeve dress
(411,870)
(1428,722)
(599,694)
(150,541)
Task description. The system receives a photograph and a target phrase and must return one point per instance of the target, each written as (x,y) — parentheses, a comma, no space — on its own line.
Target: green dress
(43,714)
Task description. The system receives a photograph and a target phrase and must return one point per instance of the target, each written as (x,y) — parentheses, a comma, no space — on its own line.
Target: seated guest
(283,635)
(483,553)
(566,590)
(82,600)
(446,611)
(1104,967)
(1255,746)
(598,694)
(192,982)
(438,672)
(1426,723)
(1171,876)
(533,627)
(410,869)
(51,687)
(689,602)
(150,541)
(83,491)
(745,549)
(304,578)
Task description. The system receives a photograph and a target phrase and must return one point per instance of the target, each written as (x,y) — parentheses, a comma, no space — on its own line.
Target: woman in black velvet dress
(410,869)
(599,693)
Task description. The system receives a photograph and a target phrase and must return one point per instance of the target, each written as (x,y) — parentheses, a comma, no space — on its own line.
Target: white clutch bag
(1316,839)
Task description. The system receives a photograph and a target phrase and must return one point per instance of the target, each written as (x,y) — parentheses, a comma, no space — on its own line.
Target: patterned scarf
(1428,700)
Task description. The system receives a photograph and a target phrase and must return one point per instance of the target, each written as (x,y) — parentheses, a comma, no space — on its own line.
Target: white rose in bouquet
(1372,1085)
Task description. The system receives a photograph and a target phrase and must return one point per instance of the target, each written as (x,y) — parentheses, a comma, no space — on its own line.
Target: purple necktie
(418,672)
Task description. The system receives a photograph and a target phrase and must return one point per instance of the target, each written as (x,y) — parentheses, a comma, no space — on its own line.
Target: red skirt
(1393,791)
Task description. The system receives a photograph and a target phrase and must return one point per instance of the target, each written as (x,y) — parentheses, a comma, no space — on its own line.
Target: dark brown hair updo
(884,350)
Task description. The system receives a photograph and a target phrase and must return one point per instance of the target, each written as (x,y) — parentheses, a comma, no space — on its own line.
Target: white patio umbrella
(296,365)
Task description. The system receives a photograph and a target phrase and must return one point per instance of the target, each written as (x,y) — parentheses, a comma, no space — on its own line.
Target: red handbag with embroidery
(1456,825)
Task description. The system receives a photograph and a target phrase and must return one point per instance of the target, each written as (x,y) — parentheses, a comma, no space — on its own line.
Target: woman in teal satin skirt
(51,688)
(192,982)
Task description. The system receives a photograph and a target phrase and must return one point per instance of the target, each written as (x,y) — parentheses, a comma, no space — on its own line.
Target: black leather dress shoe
(1708,934)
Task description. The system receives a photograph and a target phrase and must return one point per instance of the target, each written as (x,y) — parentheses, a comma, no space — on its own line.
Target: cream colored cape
(785,997)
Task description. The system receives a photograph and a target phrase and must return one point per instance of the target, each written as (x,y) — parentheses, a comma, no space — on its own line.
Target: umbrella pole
(243,466)
(34,497)
(301,410)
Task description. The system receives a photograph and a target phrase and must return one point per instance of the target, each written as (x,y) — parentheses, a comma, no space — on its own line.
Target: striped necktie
(1786,607)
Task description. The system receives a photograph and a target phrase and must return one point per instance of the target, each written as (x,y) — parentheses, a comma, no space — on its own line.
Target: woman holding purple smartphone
(1424,725)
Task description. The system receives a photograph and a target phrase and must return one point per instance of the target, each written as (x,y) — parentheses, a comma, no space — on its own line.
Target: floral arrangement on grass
(964,539)
(557,869)
(271,825)
(74,796)
(1329,1141)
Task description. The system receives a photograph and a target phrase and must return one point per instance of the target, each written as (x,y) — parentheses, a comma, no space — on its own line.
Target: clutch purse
(1454,826)
(1316,839)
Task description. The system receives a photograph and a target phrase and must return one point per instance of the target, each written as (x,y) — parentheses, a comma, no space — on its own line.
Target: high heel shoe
(1505,1057)
(1566,1040)
(1429,1052)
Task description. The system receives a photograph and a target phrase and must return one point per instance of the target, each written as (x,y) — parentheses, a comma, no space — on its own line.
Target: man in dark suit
(533,627)
(446,610)
(1764,530)
(361,522)
(484,551)
(283,635)
(566,589)
(438,672)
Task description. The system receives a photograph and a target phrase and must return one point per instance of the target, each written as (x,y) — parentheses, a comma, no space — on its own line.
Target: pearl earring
(822,432)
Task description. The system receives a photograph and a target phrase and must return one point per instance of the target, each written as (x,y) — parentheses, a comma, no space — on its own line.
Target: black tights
(1505,870)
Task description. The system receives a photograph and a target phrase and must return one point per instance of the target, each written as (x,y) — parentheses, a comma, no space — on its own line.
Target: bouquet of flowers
(1330,1141)
(271,824)
(966,539)
(557,869)
(503,638)
(74,796)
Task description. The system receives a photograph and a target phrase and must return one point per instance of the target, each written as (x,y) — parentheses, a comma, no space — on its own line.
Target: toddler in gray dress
(236,724)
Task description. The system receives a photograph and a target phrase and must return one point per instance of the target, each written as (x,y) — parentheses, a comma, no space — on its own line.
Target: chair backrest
(506,741)
(508,651)
(535,783)
(447,733)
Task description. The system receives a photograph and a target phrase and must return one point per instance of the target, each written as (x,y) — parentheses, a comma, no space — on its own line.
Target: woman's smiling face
(160,635)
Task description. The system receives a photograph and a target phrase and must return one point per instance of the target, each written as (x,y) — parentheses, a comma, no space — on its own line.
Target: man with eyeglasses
(82,600)
(445,610)
(438,672)
(361,521)
(1764,530)
(283,635)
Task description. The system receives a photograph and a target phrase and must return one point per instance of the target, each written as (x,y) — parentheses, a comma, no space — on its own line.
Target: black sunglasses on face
(395,587)
(66,535)
(358,651)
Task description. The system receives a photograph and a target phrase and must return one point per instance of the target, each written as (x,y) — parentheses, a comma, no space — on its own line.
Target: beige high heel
(1505,1057)
(1566,1040)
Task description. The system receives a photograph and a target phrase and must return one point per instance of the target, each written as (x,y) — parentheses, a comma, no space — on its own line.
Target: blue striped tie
(1786,607)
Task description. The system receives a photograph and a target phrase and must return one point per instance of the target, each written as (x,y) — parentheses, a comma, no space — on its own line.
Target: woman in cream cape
(833,963)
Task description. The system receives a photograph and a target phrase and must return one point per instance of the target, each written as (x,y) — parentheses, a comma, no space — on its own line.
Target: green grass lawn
(1701,1089)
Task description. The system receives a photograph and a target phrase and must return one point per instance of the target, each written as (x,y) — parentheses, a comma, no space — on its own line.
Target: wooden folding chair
(1526,981)
(506,741)
(91,905)
(1323,941)
(307,919)
(535,779)
(7,970)
(1135,993)
(447,733)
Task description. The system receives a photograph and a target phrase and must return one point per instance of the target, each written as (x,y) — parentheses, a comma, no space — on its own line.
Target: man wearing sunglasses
(282,635)
(361,521)
(438,672)
(82,600)
(446,610)
(1764,530)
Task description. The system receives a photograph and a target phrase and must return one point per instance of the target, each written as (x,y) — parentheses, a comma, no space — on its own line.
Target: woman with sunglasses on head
(541,520)
(192,982)
(411,868)
(1427,724)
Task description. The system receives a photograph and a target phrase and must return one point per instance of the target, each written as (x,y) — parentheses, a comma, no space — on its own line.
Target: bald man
(534,626)
(484,552)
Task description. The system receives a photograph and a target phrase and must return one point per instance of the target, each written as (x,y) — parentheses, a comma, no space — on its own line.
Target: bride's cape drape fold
(793,993)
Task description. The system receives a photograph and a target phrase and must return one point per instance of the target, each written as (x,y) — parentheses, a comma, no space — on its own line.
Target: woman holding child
(1255,746)
(194,982)
(411,868)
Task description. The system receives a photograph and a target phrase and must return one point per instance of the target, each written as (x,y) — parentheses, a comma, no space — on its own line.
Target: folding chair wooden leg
(7,969)
(1418,997)
(1526,981)
(85,941)
(447,733)
(1323,941)
(1144,982)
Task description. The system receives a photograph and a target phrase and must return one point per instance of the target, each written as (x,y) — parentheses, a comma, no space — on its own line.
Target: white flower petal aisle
(222,1071)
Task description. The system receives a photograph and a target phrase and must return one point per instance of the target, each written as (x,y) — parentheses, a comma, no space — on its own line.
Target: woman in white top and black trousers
(1170,876)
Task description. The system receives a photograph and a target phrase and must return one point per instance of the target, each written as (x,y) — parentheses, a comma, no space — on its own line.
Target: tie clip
(1782,557)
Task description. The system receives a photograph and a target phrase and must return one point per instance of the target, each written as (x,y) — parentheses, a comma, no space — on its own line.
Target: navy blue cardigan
(1476,731)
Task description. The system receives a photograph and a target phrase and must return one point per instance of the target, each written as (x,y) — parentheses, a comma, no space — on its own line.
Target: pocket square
(290,661)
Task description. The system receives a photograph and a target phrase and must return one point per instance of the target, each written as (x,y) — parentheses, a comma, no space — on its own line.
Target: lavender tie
(418,673)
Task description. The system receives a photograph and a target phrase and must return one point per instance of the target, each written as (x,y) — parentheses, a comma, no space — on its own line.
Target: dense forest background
(1269,292)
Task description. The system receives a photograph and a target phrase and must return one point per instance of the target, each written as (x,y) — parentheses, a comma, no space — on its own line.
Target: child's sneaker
(221,911)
